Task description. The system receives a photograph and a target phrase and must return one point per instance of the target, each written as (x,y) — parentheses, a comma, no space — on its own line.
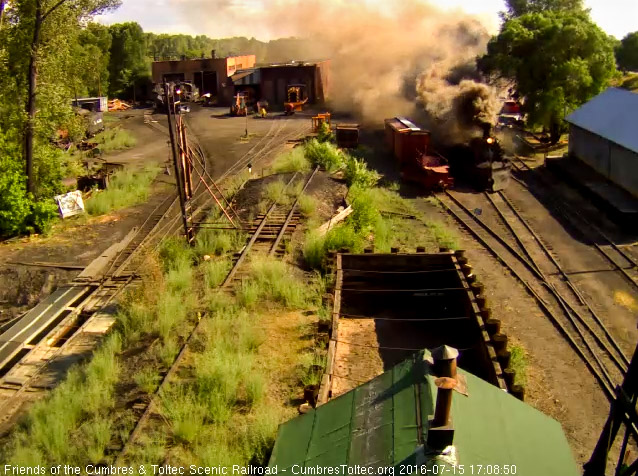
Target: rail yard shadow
(561,205)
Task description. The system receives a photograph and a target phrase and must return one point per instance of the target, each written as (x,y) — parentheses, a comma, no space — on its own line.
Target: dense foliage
(627,52)
(557,59)
(44,65)
(517,8)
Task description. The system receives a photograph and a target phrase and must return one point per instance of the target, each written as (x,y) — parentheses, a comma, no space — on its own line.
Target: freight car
(410,146)
(481,163)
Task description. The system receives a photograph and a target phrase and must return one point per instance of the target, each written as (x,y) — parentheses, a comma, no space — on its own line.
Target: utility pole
(179,176)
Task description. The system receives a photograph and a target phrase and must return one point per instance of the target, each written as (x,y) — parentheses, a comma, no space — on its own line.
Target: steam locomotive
(481,163)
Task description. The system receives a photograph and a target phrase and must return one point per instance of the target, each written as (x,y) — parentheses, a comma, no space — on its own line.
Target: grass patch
(126,188)
(307,205)
(147,379)
(215,271)
(276,192)
(218,242)
(518,363)
(276,282)
(292,161)
(445,237)
(114,139)
(69,424)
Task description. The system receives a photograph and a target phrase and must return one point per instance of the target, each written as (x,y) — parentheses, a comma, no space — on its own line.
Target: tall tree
(34,15)
(91,59)
(558,61)
(627,52)
(517,8)
(128,62)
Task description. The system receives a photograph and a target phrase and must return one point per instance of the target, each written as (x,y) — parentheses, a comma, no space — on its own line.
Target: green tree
(37,40)
(91,57)
(34,19)
(627,52)
(128,63)
(517,8)
(558,61)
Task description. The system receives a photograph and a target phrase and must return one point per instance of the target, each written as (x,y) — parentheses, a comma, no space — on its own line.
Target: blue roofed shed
(603,133)
(384,423)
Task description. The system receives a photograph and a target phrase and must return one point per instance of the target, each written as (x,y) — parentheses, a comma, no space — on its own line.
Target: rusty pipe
(443,401)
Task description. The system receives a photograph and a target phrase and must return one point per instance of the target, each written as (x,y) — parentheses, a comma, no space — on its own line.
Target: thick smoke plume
(394,58)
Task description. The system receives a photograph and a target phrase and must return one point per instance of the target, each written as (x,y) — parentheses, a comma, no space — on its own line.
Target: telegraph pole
(179,173)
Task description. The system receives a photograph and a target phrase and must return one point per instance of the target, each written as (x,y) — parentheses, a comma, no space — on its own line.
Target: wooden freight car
(410,145)
(347,136)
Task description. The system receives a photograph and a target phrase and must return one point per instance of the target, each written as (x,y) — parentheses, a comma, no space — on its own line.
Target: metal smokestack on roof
(441,431)
(213,54)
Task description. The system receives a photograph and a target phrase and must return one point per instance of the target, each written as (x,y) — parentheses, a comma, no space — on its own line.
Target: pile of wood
(117,105)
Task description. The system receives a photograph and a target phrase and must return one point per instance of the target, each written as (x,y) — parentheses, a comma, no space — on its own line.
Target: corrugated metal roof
(613,115)
(246,77)
(376,424)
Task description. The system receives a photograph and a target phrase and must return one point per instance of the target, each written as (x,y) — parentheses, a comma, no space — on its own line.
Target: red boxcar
(409,145)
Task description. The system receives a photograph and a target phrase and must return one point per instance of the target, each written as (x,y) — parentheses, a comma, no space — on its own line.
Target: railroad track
(521,249)
(121,272)
(618,258)
(266,237)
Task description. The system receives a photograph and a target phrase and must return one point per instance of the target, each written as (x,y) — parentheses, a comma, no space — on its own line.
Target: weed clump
(126,188)
(293,161)
(276,192)
(325,155)
(358,174)
(273,281)
(307,205)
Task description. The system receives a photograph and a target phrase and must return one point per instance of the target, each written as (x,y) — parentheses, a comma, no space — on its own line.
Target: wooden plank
(339,217)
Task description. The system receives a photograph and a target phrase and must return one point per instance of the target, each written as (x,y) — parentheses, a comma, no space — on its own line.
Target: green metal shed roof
(376,424)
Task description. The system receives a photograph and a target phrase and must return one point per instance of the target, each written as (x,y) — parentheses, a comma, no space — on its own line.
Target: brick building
(210,75)
(271,82)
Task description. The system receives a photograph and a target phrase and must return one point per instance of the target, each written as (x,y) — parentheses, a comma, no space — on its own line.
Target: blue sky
(616,17)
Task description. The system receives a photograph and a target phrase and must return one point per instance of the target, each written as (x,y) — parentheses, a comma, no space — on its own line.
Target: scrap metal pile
(117,105)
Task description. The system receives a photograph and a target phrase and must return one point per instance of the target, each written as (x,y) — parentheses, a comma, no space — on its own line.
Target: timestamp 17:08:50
(460,469)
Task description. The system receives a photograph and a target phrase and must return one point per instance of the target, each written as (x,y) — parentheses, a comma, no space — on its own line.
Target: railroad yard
(559,278)
(271,266)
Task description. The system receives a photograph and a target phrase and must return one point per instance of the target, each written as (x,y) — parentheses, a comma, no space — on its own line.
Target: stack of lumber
(117,105)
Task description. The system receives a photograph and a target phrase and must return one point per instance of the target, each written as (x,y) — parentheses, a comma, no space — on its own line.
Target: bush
(358,174)
(325,155)
(41,217)
(185,415)
(325,133)
(14,205)
(293,161)
(364,215)
(342,236)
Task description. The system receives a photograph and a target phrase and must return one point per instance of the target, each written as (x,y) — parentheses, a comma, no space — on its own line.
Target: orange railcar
(410,146)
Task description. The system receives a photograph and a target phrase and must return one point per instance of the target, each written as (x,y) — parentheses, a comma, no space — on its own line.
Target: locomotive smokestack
(487,130)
